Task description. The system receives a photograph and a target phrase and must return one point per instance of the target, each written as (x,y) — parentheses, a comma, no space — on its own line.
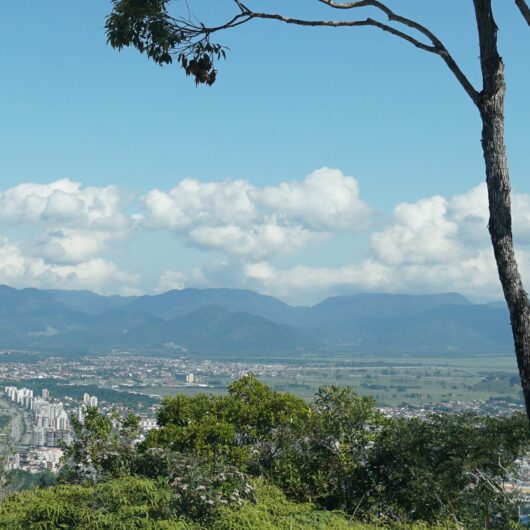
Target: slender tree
(148,26)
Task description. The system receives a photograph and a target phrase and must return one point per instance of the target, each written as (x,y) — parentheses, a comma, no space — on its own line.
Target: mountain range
(242,322)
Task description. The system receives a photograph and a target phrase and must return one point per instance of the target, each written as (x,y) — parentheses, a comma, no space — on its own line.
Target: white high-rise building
(11,392)
(93,401)
(22,396)
(62,422)
(51,422)
(190,378)
(86,398)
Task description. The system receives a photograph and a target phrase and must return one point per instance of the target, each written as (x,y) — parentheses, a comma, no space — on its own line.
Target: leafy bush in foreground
(142,504)
(449,466)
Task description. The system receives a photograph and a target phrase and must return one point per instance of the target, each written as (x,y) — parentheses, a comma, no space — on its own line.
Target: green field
(391,380)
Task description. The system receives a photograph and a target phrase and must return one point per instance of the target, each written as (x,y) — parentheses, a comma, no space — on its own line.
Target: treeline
(258,458)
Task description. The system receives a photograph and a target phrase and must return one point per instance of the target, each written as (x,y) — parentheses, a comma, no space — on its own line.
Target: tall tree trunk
(491,106)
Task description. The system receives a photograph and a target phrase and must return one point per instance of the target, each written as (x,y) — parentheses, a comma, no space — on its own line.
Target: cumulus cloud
(240,219)
(470,210)
(214,274)
(432,245)
(193,203)
(170,279)
(325,200)
(258,241)
(302,283)
(20,270)
(439,231)
(473,276)
(521,217)
(63,202)
(77,226)
(67,245)
(421,233)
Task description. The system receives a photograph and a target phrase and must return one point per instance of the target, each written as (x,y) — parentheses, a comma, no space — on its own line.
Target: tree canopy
(212,459)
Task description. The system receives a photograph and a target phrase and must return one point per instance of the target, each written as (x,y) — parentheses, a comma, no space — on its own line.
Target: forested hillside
(234,321)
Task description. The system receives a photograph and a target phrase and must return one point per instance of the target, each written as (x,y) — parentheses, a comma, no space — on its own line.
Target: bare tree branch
(344,24)
(525,10)
(436,45)
(393,17)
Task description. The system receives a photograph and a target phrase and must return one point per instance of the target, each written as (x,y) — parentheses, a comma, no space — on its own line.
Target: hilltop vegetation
(256,455)
(138,503)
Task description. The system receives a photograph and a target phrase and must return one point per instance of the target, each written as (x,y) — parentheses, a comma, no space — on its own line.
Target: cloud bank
(242,220)
(266,238)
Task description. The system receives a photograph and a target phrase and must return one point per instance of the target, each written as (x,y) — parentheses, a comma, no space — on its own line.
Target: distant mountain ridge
(243,322)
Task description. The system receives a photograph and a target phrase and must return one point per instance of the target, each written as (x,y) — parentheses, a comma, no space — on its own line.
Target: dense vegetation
(257,458)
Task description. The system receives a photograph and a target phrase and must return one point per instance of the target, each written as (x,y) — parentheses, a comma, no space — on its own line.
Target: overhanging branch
(525,10)
(162,37)
(436,46)
(345,24)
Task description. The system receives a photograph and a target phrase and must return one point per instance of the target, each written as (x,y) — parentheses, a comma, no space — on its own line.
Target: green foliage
(325,463)
(273,511)
(102,447)
(199,490)
(238,428)
(147,26)
(18,480)
(342,454)
(123,504)
(452,465)
(142,504)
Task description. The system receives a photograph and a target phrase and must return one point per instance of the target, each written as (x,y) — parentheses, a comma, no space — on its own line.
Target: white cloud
(194,203)
(472,204)
(240,219)
(439,231)
(421,233)
(432,245)
(63,202)
(476,275)
(521,217)
(78,225)
(170,279)
(67,245)
(302,283)
(258,241)
(470,210)
(325,200)
(20,270)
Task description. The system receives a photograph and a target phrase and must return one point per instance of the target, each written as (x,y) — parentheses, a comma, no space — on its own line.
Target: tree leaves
(147,26)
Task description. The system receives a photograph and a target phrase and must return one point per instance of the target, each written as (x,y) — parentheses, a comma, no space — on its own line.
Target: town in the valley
(40,395)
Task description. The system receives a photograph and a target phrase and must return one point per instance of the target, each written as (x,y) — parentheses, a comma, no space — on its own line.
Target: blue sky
(288,101)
